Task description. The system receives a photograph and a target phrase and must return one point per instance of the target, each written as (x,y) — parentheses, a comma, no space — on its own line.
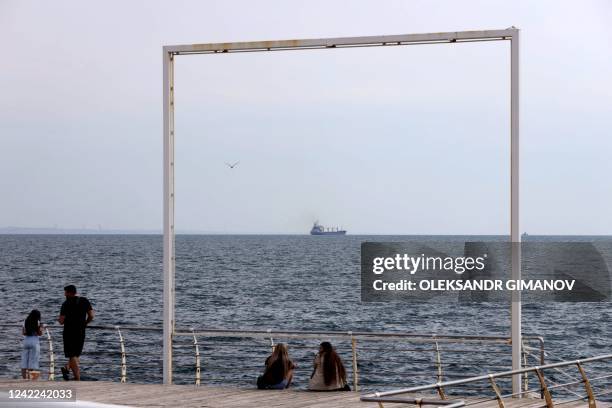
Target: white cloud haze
(402,140)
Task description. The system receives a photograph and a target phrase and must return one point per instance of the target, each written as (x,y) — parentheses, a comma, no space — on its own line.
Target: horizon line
(93,231)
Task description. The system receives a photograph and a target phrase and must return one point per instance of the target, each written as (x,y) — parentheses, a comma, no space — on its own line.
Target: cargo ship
(318,229)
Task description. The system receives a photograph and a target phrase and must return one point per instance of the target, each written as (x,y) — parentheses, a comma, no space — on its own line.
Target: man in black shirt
(75,314)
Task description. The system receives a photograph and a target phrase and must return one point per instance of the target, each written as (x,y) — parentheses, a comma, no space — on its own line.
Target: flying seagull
(231,166)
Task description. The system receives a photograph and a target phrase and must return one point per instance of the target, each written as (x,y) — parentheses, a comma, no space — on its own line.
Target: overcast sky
(404,140)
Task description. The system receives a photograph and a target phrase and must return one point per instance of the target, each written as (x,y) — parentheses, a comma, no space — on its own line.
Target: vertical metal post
(544,388)
(498,394)
(51,356)
(123,378)
(525,376)
(587,386)
(197,357)
(439,375)
(355,367)
(542,358)
(271,340)
(514,208)
(168,244)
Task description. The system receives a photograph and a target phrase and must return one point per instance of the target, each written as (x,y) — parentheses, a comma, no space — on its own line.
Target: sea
(269,282)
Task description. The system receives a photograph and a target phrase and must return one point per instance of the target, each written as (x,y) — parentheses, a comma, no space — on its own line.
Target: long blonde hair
(279,363)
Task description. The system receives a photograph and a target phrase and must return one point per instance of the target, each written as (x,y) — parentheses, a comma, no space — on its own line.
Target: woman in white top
(31,346)
(329,373)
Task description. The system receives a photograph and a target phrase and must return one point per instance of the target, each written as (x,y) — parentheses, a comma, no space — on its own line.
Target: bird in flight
(231,166)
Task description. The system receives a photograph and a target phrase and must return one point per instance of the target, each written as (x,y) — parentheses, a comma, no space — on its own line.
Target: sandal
(65,373)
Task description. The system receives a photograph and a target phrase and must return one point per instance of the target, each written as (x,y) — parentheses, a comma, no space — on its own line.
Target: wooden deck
(156,395)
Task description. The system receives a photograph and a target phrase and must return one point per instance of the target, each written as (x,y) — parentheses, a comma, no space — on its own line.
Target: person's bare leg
(74,366)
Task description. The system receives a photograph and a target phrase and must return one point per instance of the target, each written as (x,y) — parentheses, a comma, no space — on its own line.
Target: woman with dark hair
(329,373)
(279,370)
(31,347)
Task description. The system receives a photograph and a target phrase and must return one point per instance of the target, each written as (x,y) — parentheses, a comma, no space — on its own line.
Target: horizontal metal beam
(418,401)
(264,333)
(486,377)
(403,39)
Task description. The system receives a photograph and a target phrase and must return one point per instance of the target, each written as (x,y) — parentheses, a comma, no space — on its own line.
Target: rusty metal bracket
(441,391)
(380,404)
(587,386)
(498,395)
(544,388)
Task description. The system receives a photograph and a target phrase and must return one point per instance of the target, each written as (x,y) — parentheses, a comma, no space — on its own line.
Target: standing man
(75,314)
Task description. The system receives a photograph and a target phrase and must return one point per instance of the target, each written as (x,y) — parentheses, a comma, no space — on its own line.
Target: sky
(386,140)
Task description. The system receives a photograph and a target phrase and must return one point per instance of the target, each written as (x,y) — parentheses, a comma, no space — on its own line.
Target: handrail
(354,338)
(316,333)
(538,370)
(302,333)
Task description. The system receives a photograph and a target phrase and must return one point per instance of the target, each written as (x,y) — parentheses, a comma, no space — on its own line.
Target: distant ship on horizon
(318,229)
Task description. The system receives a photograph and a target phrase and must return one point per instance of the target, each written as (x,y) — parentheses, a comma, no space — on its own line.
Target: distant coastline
(98,231)
(73,231)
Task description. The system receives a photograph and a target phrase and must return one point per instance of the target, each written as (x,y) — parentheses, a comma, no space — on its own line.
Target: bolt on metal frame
(171,52)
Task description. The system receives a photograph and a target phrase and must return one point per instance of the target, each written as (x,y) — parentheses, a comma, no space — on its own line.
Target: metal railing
(106,350)
(355,338)
(134,351)
(546,391)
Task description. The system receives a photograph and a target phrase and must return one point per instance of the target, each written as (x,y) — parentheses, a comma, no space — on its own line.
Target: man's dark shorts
(73,342)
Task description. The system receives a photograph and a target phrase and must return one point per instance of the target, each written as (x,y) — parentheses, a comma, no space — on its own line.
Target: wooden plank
(194,396)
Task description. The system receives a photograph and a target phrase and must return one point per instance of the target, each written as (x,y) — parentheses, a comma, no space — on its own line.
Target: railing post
(123,358)
(498,395)
(440,390)
(440,375)
(547,396)
(51,356)
(355,367)
(271,339)
(542,358)
(525,377)
(587,386)
(197,357)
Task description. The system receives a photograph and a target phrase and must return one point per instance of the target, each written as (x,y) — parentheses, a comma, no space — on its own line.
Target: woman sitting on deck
(329,373)
(279,370)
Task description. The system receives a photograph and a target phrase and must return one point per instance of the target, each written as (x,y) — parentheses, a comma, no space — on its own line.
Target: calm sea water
(261,282)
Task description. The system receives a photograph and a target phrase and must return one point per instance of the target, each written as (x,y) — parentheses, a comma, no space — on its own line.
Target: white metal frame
(171,52)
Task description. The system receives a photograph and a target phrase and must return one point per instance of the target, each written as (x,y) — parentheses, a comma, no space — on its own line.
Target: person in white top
(329,373)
